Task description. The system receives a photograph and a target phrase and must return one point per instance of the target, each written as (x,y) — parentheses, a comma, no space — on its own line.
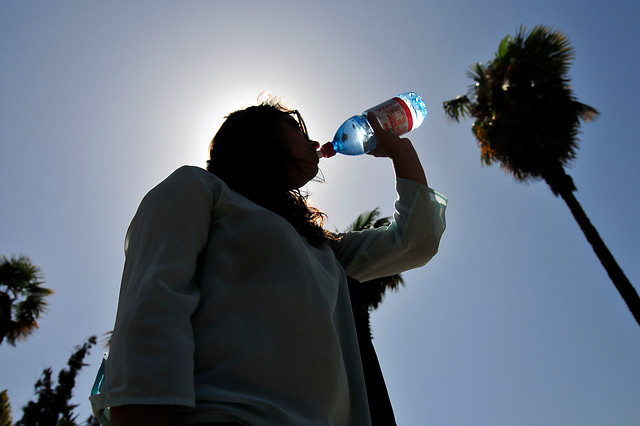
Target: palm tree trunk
(5,315)
(626,290)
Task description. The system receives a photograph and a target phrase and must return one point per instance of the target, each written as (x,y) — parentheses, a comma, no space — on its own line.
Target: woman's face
(303,151)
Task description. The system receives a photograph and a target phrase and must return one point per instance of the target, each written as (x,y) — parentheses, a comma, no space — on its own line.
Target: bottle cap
(326,150)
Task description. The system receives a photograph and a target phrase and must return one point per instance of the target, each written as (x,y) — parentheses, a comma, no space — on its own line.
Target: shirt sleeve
(151,356)
(410,241)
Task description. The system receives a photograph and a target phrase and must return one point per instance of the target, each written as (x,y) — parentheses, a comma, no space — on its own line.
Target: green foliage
(22,299)
(53,405)
(370,219)
(5,409)
(526,116)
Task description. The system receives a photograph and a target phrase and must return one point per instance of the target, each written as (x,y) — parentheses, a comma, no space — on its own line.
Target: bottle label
(394,115)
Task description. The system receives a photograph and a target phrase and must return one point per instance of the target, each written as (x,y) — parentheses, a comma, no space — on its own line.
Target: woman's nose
(314,144)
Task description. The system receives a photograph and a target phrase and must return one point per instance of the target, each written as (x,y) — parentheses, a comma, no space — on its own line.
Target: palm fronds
(526,116)
(22,298)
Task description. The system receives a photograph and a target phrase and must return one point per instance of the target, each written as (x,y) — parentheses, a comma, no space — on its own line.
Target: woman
(234,306)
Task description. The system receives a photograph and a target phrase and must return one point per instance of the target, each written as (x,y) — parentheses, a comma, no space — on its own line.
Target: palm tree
(373,291)
(365,297)
(22,299)
(527,118)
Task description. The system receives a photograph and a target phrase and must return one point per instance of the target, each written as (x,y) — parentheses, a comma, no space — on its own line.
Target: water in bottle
(355,136)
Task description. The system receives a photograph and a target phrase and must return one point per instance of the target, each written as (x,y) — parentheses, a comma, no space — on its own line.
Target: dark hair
(250,155)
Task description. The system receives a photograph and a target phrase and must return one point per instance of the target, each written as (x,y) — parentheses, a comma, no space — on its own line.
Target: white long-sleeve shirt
(226,313)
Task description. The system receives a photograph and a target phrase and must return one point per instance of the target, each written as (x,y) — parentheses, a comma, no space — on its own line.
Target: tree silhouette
(373,291)
(53,405)
(22,299)
(365,297)
(527,119)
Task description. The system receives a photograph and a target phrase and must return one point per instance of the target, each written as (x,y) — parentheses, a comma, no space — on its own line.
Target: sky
(514,322)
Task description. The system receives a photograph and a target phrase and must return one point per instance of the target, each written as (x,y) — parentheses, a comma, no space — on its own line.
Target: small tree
(22,299)
(53,405)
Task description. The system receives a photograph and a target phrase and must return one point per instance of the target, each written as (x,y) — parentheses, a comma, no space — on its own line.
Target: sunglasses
(301,126)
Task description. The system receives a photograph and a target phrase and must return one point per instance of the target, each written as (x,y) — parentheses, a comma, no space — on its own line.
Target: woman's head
(263,146)
(265,154)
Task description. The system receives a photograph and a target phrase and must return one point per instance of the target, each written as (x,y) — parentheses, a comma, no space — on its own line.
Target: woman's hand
(387,144)
(400,150)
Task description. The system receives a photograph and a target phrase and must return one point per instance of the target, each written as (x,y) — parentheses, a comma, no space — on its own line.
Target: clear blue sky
(514,322)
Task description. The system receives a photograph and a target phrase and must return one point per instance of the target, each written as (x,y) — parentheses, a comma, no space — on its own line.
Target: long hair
(250,155)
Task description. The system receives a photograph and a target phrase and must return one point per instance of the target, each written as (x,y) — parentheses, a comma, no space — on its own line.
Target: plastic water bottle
(355,136)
